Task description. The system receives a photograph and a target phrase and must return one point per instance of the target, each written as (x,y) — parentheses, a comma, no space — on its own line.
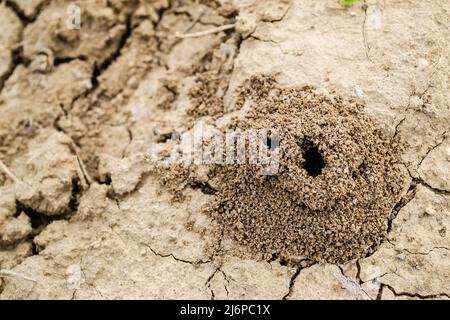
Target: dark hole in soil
(164,137)
(314,162)
(204,187)
(38,221)
(361,170)
(283,262)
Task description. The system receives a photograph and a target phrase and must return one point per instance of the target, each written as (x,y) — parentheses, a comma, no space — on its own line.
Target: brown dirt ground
(87,217)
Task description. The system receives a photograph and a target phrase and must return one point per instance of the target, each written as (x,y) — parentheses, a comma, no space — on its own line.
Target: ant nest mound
(336,186)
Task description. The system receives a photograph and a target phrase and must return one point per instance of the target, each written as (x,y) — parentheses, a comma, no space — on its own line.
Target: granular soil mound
(337,184)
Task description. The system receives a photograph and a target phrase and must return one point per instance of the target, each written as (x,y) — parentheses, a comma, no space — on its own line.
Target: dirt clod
(47,173)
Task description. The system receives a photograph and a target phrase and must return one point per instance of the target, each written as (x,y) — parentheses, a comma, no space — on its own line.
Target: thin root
(206,32)
(12,274)
(85,179)
(194,22)
(5,169)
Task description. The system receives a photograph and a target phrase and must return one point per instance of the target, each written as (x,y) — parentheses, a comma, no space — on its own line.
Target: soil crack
(351,285)
(444,137)
(171,255)
(98,70)
(415,295)
(21,14)
(292,282)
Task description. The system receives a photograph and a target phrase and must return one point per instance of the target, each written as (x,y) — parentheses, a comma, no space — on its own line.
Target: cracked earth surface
(80,111)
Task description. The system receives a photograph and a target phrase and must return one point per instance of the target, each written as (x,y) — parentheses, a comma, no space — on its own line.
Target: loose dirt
(333,194)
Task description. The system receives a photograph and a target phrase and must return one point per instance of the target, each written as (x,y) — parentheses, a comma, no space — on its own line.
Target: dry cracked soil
(84,215)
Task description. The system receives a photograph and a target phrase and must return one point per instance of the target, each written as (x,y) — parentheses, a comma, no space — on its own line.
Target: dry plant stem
(189,27)
(12,274)
(5,169)
(81,176)
(206,32)
(83,170)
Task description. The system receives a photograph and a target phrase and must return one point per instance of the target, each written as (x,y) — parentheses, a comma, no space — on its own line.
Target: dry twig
(205,32)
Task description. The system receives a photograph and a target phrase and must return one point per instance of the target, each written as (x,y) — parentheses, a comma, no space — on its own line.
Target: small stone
(415,103)
(245,24)
(422,63)
(401,256)
(74,277)
(399,247)
(42,63)
(358,91)
(430,211)
(133,82)
(430,109)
